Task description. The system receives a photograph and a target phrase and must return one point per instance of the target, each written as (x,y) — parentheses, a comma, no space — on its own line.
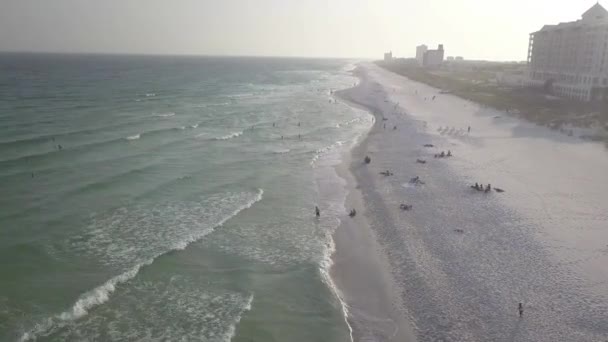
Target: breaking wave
(281,151)
(106,240)
(320,152)
(229,136)
(164,115)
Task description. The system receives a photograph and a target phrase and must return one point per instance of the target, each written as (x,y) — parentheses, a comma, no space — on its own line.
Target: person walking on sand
(521,310)
(317,211)
(469,129)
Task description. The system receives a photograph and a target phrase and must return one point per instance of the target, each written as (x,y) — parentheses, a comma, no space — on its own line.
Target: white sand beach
(455,267)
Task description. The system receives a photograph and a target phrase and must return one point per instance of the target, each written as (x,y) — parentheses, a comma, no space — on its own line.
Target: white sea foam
(334,202)
(194,126)
(325,267)
(205,313)
(87,301)
(320,152)
(230,136)
(105,238)
(207,105)
(150,94)
(133,137)
(164,115)
(334,199)
(231,333)
(188,240)
(348,123)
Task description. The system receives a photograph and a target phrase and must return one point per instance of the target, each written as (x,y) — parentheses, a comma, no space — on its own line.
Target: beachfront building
(433,58)
(420,51)
(388,56)
(570,58)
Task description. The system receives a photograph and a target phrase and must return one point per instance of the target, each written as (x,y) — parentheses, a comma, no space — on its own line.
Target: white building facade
(571,58)
(434,58)
(420,51)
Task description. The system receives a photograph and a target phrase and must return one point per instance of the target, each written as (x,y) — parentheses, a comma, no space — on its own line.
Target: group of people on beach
(479,187)
(416,181)
(443,154)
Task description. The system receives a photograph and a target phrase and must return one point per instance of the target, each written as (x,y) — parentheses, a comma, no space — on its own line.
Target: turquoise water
(171,198)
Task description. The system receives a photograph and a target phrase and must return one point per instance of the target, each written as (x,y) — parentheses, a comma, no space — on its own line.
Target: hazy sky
(479,29)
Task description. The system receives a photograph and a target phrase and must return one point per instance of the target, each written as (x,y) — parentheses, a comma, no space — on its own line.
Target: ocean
(171,198)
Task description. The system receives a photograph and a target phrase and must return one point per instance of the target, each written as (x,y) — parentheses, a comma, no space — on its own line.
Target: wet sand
(362,272)
(456,266)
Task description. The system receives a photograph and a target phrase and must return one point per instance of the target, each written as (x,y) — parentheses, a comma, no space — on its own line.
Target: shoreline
(456,266)
(360,269)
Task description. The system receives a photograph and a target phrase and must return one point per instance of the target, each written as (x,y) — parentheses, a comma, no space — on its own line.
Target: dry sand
(457,265)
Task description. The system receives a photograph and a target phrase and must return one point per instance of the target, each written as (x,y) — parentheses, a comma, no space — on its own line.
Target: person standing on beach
(317,211)
(521,310)
(469,129)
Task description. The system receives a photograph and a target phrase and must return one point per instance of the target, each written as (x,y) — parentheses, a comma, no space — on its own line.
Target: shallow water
(164,198)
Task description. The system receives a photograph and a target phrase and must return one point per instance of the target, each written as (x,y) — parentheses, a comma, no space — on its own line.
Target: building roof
(595,14)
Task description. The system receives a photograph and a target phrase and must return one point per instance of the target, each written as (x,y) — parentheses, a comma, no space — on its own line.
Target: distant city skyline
(492,29)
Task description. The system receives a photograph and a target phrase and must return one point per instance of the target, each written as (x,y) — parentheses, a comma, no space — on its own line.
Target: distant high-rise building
(388,56)
(420,51)
(571,58)
(433,58)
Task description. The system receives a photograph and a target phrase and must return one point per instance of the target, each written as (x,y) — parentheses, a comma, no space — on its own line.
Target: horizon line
(145,54)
